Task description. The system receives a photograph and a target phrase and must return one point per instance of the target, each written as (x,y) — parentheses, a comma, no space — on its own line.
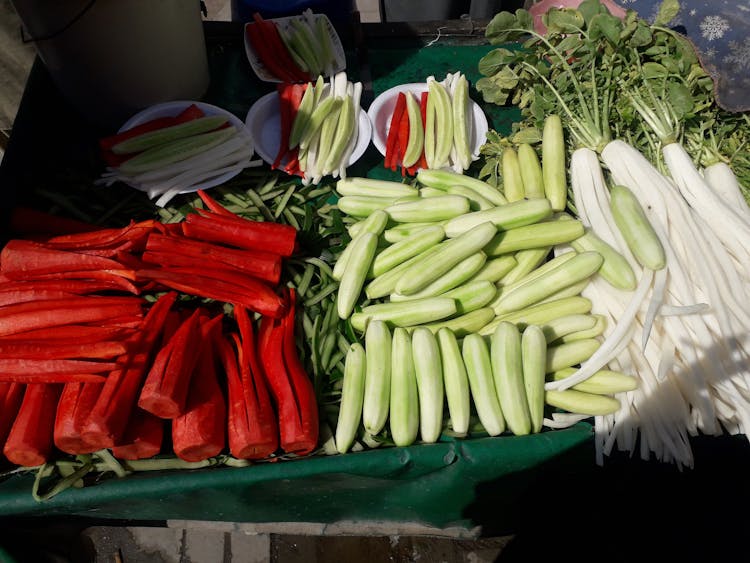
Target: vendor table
(545,487)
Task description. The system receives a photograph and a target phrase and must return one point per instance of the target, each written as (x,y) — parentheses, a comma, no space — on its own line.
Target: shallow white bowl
(170,109)
(382,107)
(263,123)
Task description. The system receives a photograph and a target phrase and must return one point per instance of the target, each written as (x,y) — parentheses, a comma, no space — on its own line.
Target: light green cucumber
(542,313)
(429,371)
(448,281)
(472,295)
(165,135)
(175,151)
(426,210)
(355,273)
(462,325)
(507,371)
(444,179)
(616,270)
(570,354)
(536,235)
(578,402)
(476,357)
(504,217)
(375,224)
(534,363)
(512,179)
(406,313)
(373,188)
(378,349)
(580,267)
(352,398)
(455,381)
(449,253)
(404,409)
(415,142)
(531,172)
(603,382)
(554,169)
(403,250)
(636,228)
(494,269)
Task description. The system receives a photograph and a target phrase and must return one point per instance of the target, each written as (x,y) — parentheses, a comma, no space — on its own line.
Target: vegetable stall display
(593,264)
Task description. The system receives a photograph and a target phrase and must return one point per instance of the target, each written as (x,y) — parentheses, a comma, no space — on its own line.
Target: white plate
(263,123)
(263,73)
(171,109)
(381,111)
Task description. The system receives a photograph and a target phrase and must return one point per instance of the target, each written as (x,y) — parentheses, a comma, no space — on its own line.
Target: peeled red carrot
(261,264)
(111,413)
(143,438)
(238,232)
(391,143)
(23,258)
(167,383)
(29,442)
(11,395)
(200,433)
(253,427)
(249,292)
(40,349)
(289,384)
(76,401)
(23,321)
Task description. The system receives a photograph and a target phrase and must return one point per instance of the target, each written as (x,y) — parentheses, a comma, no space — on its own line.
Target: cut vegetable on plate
(446,132)
(293,49)
(177,147)
(311,130)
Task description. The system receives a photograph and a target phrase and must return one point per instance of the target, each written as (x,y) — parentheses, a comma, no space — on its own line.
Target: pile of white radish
(684,330)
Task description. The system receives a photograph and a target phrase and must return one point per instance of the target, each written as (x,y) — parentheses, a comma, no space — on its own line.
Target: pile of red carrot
(120,339)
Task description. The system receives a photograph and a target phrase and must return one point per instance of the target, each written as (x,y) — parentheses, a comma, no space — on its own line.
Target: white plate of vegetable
(196,154)
(263,122)
(476,126)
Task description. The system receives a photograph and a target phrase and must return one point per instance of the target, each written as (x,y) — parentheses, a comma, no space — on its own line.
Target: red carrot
(29,442)
(27,295)
(260,43)
(110,415)
(11,395)
(22,258)
(253,428)
(12,322)
(143,438)
(263,265)
(200,433)
(76,286)
(73,334)
(134,232)
(248,291)
(212,204)
(238,232)
(50,349)
(391,146)
(23,366)
(165,390)
(76,401)
(290,386)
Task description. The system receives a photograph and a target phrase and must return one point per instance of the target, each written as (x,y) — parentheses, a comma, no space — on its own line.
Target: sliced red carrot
(55,350)
(238,232)
(167,383)
(11,395)
(76,401)
(253,425)
(248,291)
(200,433)
(29,442)
(22,258)
(391,144)
(110,415)
(143,438)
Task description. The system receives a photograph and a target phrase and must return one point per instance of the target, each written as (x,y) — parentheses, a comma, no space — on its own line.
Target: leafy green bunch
(608,78)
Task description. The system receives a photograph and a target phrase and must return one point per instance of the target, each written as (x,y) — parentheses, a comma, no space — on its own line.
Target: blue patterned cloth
(720,31)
